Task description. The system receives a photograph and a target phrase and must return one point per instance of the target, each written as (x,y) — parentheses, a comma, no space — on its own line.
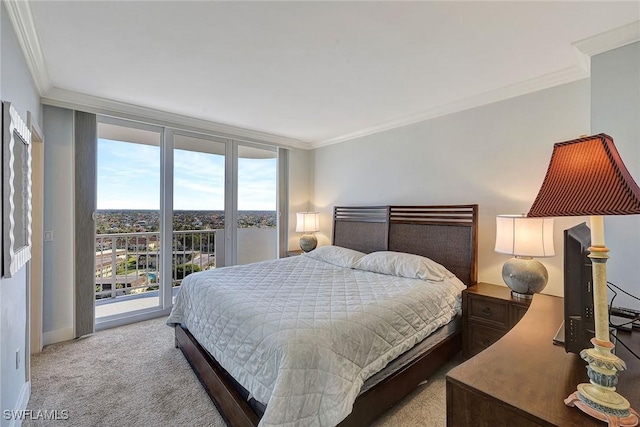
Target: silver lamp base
(308,242)
(525,276)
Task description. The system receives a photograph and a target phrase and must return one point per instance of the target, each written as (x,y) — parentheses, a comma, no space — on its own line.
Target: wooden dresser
(489,312)
(523,379)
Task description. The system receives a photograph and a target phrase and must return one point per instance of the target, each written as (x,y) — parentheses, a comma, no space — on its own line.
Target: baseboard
(58,335)
(21,404)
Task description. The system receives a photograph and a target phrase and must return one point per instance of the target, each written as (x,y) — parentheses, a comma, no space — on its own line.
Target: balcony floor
(127,303)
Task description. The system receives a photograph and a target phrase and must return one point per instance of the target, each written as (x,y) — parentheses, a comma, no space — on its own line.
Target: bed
(312,375)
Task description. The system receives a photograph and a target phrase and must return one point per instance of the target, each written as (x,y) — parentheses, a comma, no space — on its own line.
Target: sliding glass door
(171,203)
(127,220)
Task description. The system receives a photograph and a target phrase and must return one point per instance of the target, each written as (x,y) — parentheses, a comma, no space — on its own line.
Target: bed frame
(446,234)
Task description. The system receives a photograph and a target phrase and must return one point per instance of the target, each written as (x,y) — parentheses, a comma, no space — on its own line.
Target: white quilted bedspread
(303,335)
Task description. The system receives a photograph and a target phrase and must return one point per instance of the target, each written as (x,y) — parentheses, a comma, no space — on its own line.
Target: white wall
(615,110)
(17,87)
(57,310)
(495,155)
(300,172)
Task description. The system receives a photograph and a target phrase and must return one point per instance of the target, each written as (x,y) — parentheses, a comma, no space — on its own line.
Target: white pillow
(336,255)
(403,265)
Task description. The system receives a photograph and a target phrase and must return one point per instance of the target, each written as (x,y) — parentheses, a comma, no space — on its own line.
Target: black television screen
(578,290)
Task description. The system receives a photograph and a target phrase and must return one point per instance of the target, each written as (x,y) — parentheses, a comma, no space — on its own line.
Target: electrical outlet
(48,236)
(18,359)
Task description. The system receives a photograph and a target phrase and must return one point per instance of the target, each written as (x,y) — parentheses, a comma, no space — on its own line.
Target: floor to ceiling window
(198,204)
(171,203)
(127,219)
(257,237)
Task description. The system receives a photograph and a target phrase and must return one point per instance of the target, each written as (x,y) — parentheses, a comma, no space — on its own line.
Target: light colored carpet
(134,376)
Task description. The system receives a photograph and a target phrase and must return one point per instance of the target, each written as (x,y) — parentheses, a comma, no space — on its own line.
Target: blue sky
(129,178)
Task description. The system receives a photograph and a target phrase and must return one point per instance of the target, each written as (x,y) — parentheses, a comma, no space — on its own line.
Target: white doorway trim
(34,290)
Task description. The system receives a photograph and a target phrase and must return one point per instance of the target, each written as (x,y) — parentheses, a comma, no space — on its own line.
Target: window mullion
(166,218)
(231,203)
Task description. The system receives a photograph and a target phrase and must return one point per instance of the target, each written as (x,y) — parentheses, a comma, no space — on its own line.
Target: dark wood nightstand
(294,253)
(488,312)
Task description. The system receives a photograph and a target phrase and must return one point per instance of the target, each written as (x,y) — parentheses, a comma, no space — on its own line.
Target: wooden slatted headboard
(364,229)
(446,234)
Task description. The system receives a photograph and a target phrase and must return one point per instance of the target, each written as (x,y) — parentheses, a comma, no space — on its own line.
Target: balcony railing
(129,263)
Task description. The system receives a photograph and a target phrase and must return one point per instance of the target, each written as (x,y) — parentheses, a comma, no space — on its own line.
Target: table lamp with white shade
(308,223)
(586,176)
(525,238)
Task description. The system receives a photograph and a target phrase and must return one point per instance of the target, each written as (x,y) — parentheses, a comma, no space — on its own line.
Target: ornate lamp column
(586,176)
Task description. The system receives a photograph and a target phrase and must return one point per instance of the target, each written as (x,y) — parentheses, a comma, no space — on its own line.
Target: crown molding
(21,18)
(74,100)
(585,48)
(546,81)
(609,40)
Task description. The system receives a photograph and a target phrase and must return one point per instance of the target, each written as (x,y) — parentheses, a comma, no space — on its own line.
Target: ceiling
(312,73)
